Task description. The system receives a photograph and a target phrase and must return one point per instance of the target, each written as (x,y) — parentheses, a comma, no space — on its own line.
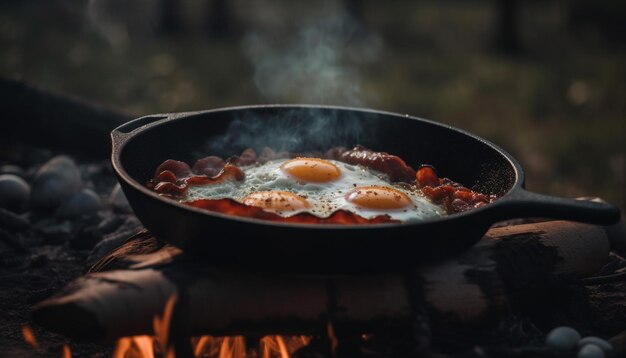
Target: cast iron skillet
(139,146)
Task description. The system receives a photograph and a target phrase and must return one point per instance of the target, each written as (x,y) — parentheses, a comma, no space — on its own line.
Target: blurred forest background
(544,79)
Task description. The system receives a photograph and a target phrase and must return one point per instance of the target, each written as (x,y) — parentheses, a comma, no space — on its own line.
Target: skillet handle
(522,203)
(121,133)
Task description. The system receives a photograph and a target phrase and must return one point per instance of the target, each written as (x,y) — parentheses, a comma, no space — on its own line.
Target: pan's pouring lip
(121,137)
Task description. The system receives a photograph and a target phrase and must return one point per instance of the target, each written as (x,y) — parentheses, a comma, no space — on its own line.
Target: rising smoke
(319,64)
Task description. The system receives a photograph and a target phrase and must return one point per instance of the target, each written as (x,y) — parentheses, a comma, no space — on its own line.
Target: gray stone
(602,343)
(110,224)
(56,234)
(118,200)
(11,169)
(55,182)
(114,239)
(563,338)
(14,192)
(12,222)
(84,203)
(591,351)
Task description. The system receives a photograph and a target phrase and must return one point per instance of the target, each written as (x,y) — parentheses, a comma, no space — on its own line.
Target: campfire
(511,294)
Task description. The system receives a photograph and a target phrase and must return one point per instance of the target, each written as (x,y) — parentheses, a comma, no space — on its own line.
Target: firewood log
(471,289)
(42,118)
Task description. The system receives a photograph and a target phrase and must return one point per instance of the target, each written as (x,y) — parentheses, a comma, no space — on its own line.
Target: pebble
(591,351)
(118,200)
(110,224)
(57,233)
(12,222)
(84,203)
(115,239)
(602,343)
(563,338)
(85,238)
(14,192)
(11,241)
(11,169)
(55,182)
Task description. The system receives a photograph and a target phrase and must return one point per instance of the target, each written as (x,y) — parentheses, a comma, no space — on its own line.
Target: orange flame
(123,346)
(282,347)
(135,347)
(233,347)
(161,326)
(66,352)
(334,342)
(29,336)
(204,346)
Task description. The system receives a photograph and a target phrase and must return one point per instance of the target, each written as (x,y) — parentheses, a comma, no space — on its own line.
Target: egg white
(323,198)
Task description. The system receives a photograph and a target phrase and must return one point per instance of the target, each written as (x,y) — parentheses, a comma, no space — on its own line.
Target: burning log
(131,285)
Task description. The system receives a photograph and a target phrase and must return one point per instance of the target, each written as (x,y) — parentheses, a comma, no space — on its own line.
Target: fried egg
(320,187)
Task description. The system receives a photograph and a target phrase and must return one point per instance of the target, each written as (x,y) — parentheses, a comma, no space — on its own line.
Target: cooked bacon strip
(209,166)
(231,207)
(163,183)
(454,196)
(180,169)
(229,172)
(167,176)
(247,157)
(426,176)
(389,164)
(170,189)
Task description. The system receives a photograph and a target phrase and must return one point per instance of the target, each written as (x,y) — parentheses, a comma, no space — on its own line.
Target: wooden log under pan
(125,290)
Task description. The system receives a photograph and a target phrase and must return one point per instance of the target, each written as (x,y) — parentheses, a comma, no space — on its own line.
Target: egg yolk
(276,201)
(311,170)
(378,197)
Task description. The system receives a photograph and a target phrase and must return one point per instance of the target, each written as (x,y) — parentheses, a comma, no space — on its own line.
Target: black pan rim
(170,117)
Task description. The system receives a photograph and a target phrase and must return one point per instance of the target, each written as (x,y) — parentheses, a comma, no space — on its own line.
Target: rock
(605,345)
(12,222)
(11,241)
(118,200)
(57,233)
(86,238)
(39,260)
(110,224)
(84,203)
(563,338)
(591,351)
(11,169)
(114,239)
(55,182)
(14,192)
